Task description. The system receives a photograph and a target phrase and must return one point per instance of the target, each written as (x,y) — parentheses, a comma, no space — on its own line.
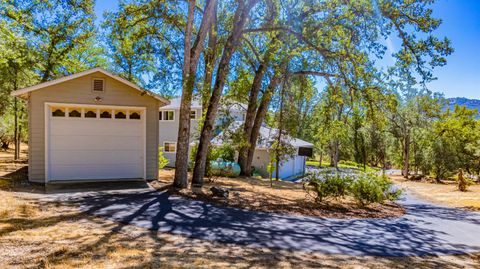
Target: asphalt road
(426,229)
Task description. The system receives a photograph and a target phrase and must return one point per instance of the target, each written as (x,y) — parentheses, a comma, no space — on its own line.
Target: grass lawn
(35,234)
(446,193)
(343,165)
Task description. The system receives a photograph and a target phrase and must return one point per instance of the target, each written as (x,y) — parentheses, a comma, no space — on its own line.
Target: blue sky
(461,24)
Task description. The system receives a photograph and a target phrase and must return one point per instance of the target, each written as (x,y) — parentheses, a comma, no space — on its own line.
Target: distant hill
(461,101)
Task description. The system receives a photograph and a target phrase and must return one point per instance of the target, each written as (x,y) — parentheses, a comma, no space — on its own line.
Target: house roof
(267,136)
(197,104)
(24,91)
(234,106)
(175,104)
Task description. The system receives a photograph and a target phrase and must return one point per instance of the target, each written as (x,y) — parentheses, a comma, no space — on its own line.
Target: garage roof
(24,91)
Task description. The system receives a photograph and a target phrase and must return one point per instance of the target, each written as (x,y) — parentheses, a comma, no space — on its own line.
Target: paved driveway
(425,229)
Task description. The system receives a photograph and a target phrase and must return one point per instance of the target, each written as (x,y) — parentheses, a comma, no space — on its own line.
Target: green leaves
(57,33)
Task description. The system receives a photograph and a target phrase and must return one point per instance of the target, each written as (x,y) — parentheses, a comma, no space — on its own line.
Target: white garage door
(93,142)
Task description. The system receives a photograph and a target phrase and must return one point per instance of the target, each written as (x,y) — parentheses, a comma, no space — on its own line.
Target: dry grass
(58,236)
(35,234)
(283,197)
(446,193)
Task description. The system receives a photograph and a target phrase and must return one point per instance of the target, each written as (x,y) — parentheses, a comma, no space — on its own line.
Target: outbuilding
(291,167)
(92,126)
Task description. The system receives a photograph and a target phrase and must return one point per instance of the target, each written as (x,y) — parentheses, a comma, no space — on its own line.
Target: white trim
(46,140)
(163,116)
(84,73)
(143,118)
(171,142)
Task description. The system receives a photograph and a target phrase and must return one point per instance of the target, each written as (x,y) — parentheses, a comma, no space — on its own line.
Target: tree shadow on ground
(210,235)
(427,230)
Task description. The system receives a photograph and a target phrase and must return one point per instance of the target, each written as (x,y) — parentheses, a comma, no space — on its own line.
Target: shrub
(462,181)
(364,188)
(325,186)
(368,188)
(162,160)
(225,152)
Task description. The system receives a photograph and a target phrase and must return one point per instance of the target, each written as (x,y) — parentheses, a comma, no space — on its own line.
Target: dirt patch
(283,197)
(443,193)
(14,173)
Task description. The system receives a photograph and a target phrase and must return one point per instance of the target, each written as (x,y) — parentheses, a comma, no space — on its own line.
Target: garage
(95,142)
(91,126)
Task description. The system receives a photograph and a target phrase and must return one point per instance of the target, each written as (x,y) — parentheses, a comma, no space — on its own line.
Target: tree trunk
(321,160)
(337,154)
(240,19)
(210,56)
(260,116)
(250,118)
(406,155)
(280,130)
(252,108)
(15,131)
(191,57)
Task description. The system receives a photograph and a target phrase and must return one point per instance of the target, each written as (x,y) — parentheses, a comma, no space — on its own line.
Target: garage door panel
(68,126)
(85,157)
(78,172)
(81,148)
(92,142)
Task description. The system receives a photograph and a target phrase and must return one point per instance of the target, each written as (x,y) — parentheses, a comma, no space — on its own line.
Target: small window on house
(58,112)
(106,114)
(120,115)
(91,114)
(134,115)
(168,115)
(98,85)
(169,146)
(160,115)
(193,114)
(74,113)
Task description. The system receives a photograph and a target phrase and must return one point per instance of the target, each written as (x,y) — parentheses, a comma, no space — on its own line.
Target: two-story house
(231,117)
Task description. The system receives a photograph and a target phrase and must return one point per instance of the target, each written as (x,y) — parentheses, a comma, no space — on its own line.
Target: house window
(106,114)
(160,115)
(98,85)
(91,114)
(120,115)
(168,115)
(134,115)
(74,113)
(193,114)
(169,147)
(58,112)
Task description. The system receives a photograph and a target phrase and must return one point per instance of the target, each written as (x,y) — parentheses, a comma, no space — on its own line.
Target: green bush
(326,186)
(367,189)
(225,152)
(364,188)
(162,160)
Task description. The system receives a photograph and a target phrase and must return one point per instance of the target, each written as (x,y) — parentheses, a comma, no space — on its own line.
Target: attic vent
(98,85)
